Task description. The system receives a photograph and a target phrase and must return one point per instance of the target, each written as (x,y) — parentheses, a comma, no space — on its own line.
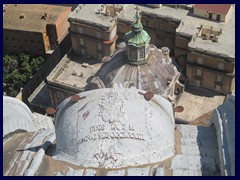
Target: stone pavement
(197,102)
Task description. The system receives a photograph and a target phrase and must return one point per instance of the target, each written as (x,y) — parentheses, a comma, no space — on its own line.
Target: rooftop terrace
(72,72)
(91,14)
(31,17)
(189,27)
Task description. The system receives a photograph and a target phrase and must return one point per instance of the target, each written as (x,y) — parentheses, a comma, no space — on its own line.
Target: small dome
(137,42)
(137,27)
(16,116)
(114,128)
(138,36)
(137,39)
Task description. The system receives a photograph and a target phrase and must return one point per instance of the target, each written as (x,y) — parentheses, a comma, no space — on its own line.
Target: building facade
(219,12)
(93,30)
(212,72)
(35,29)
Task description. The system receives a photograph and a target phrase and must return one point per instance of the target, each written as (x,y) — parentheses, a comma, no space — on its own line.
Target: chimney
(22,16)
(166,52)
(108,12)
(46,15)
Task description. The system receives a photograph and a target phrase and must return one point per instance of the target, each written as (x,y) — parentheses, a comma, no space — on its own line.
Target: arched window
(141,53)
(133,54)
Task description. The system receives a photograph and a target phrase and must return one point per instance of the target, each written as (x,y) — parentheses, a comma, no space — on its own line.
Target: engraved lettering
(131,135)
(103,136)
(97,128)
(114,127)
(112,131)
(139,136)
(123,126)
(131,127)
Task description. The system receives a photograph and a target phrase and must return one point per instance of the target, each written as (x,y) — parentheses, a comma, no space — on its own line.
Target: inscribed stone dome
(114,128)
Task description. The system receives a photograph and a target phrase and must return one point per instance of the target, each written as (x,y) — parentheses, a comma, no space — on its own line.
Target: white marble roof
(176,150)
(112,128)
(16,116)
(195,155)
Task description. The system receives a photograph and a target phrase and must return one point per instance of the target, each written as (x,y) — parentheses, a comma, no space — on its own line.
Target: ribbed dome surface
(152,76)
(137,39)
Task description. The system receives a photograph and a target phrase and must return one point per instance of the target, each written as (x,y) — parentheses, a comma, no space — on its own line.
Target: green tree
(36,62)
(18,70)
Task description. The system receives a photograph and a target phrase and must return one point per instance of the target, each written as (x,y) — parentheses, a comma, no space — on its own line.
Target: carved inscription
(114,131)
(112,111)
(111,107)
(97,128)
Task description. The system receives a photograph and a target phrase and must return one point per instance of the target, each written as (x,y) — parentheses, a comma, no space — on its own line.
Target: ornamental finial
(137,16)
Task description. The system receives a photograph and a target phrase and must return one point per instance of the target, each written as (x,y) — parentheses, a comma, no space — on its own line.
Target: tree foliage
(18,70)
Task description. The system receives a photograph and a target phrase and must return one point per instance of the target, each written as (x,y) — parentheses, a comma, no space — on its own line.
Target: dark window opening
(210,15)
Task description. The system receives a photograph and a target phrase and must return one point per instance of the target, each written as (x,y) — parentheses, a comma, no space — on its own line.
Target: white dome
(16,116)
(114,128)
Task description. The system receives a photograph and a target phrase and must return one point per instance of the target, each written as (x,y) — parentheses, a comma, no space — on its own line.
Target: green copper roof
(137,38)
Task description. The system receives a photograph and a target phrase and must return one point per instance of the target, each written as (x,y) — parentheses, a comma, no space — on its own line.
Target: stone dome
(114,128)
(16,116)
(158,75)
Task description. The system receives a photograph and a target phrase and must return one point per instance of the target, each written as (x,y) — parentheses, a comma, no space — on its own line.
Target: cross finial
(136,9)
(137,16)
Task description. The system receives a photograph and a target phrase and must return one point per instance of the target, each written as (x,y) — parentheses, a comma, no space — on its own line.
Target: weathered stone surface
(194,163)
(116,173)
(180,172)
(198,151)
(200,141)
(159,171)
(138,171)
(113,128)
(152,76)
(78,172)
(89,172)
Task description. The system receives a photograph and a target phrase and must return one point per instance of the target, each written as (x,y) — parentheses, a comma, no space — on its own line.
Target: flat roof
(215,8)
(226,41)
(70,72)
(32,14)
(189,26)
(86,14)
